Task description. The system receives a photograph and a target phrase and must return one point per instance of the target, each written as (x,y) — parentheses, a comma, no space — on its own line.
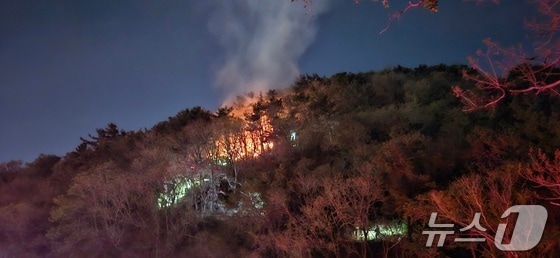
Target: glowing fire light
(249,143)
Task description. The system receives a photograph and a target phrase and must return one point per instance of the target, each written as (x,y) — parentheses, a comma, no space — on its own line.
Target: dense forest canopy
(350,165)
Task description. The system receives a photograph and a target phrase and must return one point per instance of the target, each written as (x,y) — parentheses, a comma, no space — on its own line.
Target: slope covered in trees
(350,165)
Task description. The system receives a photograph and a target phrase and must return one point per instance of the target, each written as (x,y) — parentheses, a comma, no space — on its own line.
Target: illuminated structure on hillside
(233,140)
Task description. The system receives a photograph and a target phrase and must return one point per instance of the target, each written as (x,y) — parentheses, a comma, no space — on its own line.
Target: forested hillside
(350,165)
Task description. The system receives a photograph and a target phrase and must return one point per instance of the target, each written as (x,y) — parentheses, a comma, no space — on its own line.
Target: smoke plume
(263,40)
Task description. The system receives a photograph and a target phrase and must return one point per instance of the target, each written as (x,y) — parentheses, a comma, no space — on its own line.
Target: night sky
(69,67)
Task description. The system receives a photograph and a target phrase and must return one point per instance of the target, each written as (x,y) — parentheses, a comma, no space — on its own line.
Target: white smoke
(263,40)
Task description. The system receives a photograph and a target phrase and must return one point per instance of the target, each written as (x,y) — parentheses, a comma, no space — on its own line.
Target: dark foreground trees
(350,165)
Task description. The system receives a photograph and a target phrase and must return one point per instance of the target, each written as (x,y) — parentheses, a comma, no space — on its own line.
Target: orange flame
(249,143)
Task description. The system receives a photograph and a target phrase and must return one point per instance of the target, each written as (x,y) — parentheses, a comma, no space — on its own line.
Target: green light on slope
(174,191)
(381,231)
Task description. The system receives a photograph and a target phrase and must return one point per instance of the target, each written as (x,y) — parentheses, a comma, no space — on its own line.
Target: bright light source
(292,135)
(174,191)
(381,231)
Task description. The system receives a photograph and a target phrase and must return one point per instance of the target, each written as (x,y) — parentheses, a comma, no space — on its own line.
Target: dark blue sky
(69,67)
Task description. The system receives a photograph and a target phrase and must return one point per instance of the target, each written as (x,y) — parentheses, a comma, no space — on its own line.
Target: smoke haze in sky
(263,41)
(68,67)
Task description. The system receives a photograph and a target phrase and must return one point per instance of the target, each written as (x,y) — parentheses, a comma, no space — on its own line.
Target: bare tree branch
(502,71)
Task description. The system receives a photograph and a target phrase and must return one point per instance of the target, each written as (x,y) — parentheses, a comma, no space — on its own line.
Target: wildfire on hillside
(250,139)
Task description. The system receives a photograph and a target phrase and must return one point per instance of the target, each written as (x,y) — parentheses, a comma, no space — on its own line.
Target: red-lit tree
(545,172)
(490,194)
(502,71)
